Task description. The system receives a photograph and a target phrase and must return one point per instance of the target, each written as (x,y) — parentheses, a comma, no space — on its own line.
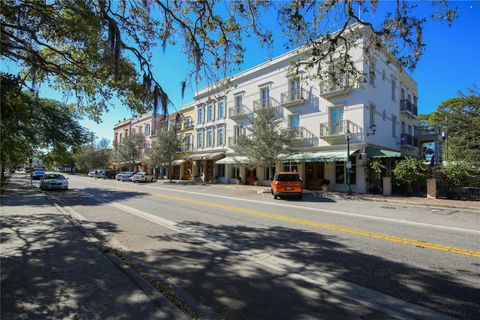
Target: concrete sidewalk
(51,270)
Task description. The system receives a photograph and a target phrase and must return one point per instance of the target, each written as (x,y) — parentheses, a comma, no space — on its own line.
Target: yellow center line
(405,241)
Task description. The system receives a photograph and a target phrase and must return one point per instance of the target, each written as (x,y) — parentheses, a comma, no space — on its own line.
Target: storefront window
(270,170)
(221,170)
(235,172)
(290,167)
(353,171)
(339,172)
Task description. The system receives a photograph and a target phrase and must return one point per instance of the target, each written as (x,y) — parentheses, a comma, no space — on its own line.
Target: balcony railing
(408,106)
(408,140)
(263,103)
(187,147)
(238,112)
(333,129)
(330,88)
(298,132)
(187,125)
(294,97)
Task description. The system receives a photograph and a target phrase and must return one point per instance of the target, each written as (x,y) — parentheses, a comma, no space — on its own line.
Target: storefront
(203,166)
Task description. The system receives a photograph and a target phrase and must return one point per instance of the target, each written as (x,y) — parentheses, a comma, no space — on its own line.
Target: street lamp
(348,136)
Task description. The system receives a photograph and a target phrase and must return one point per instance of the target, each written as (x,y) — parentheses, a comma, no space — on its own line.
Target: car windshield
(54,176)
(288,177)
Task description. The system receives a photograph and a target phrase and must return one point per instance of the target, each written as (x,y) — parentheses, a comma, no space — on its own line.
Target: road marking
(373,235)
(370,298)
(475,232)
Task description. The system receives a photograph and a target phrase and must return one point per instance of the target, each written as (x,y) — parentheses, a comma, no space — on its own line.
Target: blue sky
(451,62)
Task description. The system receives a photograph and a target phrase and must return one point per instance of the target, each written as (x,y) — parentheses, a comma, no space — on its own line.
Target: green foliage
(93,156)
(30,124)
(457,174)
(265,142)
(96,50)
(129,150)
(165,149)
(410,172)
(460,118)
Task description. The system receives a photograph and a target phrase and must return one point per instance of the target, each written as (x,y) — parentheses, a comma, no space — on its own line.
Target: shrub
(410,172)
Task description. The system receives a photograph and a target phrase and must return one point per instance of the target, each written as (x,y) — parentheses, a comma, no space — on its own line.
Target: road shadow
(221,279)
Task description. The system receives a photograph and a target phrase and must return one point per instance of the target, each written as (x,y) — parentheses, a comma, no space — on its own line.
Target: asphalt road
(235,254)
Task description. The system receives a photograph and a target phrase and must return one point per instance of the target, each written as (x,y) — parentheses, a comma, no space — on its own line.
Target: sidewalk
(423,201)
(51,270)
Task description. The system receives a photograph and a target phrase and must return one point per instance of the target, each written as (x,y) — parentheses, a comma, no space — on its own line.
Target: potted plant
(325,184)
(238,179)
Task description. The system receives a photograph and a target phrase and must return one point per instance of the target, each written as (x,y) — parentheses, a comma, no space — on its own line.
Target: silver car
(142,177)
(52,181)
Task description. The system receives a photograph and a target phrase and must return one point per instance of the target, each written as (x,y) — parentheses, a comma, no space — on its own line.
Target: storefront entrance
(176,172)
(187,170)
(314,175)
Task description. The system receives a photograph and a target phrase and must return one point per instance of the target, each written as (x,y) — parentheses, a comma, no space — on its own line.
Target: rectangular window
(394,88)
(371,74)
(410,130)
(200,140)
(336,120)
(210,113)
(394,126)
(268,171)
(200,116)
(265,94)
(294,121)
(294,90)
(147,129)
(209,138)
(221,109)
(403,127)
(290,167)
(221,170)
(238,102)
(372,115)
(339,172)
(353,171)
(402,94)
(235,172)
(409,97)
(220,141)
(415,131)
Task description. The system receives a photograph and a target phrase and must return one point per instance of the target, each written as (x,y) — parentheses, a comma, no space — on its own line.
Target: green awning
(373,152)
(320,156)
(233,160)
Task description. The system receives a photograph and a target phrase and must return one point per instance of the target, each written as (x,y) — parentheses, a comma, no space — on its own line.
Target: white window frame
(210,114)
(221,106)
(209,142)
(200,139)
(220,129)
(394,88)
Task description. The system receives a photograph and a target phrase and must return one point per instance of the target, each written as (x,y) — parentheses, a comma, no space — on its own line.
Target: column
(182,171)
(301,172)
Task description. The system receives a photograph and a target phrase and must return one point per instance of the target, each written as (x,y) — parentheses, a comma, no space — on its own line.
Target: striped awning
(320,156)
(233,160)
(373,152)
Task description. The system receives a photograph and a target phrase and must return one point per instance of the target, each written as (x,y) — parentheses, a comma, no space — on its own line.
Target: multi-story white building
(380,115)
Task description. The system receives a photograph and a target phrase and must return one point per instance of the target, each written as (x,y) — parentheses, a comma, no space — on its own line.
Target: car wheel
(275,197)
(300,197)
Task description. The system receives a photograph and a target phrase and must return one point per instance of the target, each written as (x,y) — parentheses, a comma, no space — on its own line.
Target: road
(224,252)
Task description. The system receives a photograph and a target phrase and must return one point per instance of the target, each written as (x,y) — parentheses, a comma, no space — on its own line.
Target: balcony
(293,98)
(187,147)
(330,89)
(407,140)
(335,131)
(263,103)
(187,125)
(232,141)
(408,107)
(240,112)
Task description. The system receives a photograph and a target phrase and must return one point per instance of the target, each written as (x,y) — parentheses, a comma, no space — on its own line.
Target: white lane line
(344,213)
(370,298)
(475,232)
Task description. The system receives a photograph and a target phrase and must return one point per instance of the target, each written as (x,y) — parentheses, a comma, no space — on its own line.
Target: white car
(54,181)
(91,174)
(142,177)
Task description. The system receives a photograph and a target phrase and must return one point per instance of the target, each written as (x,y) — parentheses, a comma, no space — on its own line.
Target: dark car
(106,174)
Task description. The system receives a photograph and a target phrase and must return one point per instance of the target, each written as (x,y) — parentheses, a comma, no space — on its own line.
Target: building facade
(380,114)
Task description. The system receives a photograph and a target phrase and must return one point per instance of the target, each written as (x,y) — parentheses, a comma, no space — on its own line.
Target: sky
(450,63)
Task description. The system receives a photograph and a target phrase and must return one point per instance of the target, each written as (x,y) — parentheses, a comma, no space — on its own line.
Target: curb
(159,300)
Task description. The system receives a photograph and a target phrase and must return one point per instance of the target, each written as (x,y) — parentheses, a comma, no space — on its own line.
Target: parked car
(142,177)
(91,173)
(37,174)
(106,174)
(54,181)
(125,176)
(287,184)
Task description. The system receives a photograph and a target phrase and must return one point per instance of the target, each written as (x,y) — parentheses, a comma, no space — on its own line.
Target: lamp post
(348,136)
